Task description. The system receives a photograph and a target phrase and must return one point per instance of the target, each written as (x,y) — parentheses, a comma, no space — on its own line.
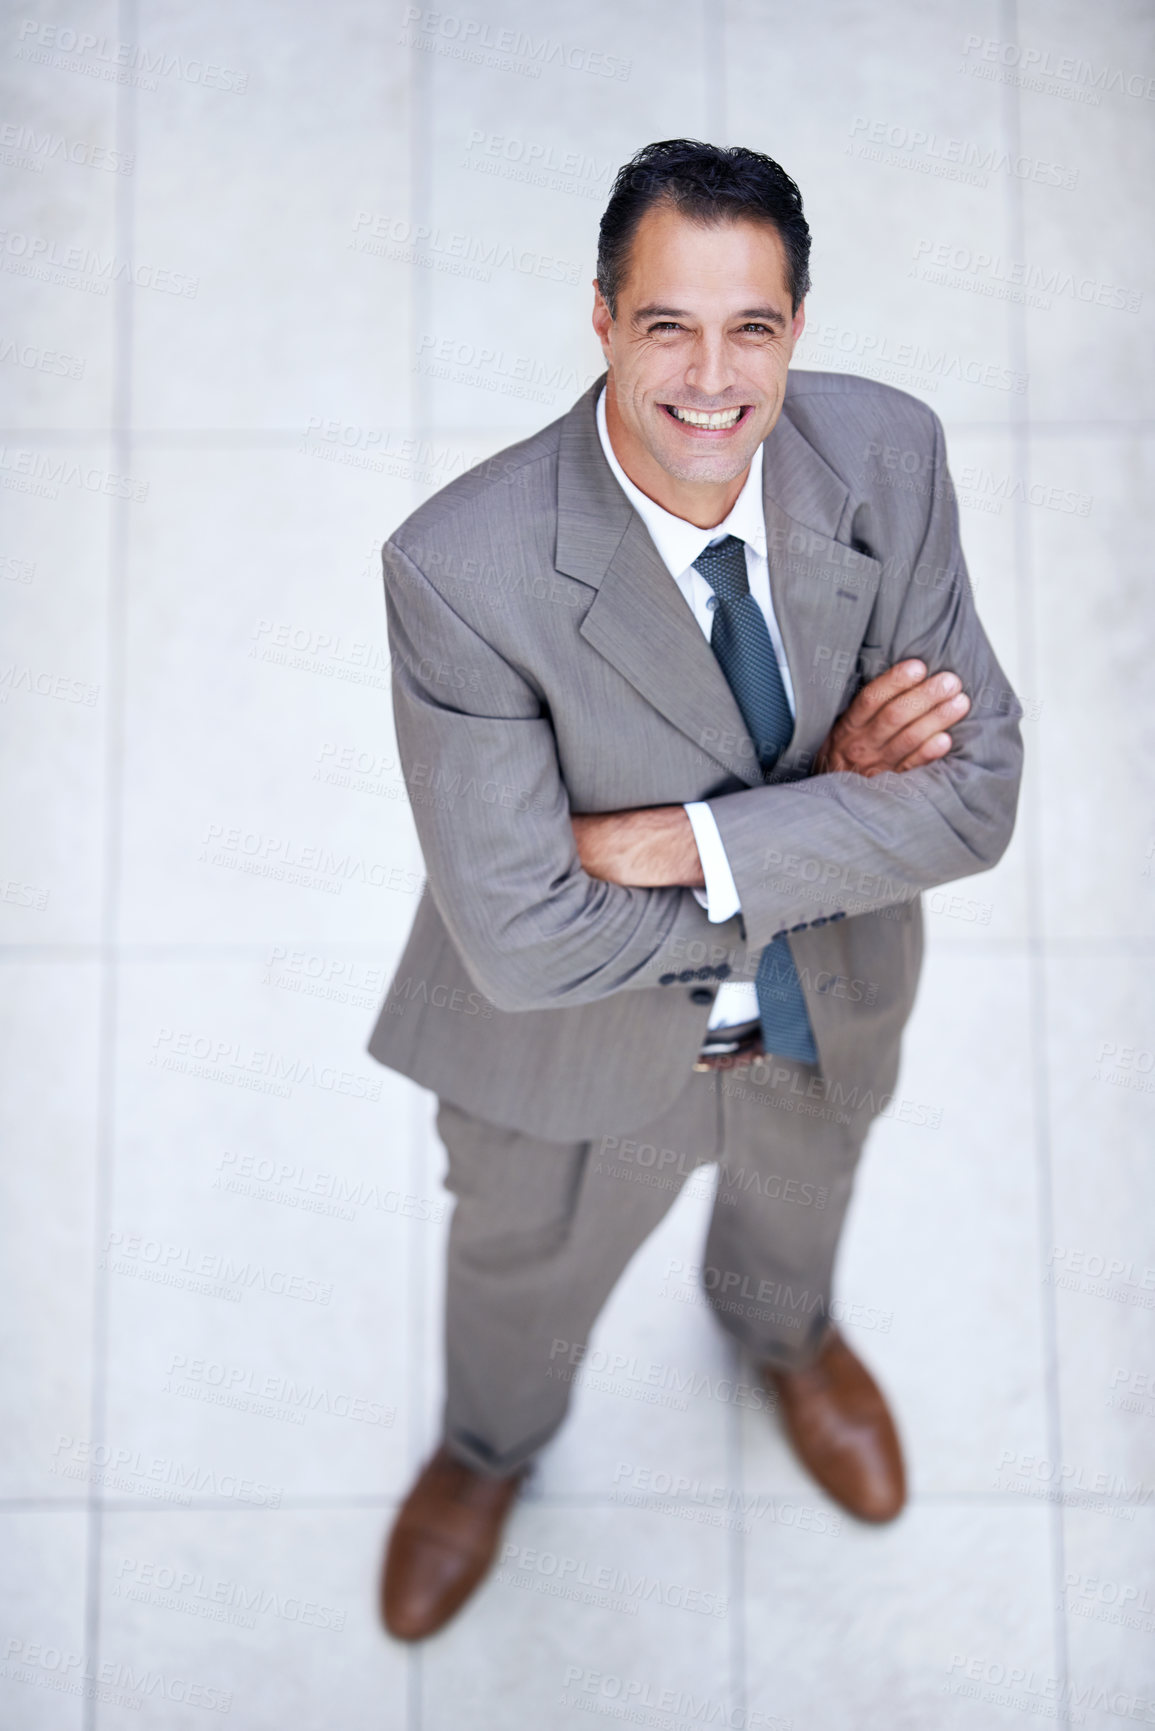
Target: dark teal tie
(741,641)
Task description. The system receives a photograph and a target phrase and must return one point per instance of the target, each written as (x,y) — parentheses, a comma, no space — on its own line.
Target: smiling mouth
(712,421)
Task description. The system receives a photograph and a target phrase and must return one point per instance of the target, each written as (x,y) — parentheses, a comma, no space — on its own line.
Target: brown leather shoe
(837,1419)
(442,1544)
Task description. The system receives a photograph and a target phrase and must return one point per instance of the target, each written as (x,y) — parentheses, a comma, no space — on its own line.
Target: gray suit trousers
(541,1231)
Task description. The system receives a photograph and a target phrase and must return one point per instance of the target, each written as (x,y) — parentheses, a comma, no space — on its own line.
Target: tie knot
(724,568)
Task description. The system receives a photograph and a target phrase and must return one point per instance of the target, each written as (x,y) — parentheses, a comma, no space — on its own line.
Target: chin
(710,467)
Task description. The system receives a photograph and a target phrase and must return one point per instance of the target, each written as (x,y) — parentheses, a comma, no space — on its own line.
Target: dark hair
(709,184)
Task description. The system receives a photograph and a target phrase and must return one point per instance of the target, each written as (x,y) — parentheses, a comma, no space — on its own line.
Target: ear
(798,324)
(602,320)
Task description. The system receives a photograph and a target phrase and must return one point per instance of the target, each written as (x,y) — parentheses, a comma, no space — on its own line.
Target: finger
(908,739)
(928,752)
(878,692)
(911,707)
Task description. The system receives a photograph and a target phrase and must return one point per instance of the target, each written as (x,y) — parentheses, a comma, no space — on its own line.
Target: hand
(897,722)
(652,847)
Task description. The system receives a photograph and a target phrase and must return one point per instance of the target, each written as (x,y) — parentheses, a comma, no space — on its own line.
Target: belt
(725,1047)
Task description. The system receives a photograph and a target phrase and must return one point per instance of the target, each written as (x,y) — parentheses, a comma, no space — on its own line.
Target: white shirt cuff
(720,898)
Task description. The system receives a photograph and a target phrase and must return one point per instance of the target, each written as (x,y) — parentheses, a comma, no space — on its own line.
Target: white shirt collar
(679,543)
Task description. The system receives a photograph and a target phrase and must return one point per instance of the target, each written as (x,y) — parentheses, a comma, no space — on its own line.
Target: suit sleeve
(478,754)
(837,845)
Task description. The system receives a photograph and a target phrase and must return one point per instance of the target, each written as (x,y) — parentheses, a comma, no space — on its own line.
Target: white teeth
(720,417)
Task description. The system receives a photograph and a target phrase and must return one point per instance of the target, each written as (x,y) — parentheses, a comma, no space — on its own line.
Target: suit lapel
(822,592)
(822,589)
(641,623)
(638,619)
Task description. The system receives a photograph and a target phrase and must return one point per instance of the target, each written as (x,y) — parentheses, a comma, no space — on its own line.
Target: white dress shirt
(679,543)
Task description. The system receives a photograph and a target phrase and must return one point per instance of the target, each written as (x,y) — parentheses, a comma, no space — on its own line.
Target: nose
(709,372)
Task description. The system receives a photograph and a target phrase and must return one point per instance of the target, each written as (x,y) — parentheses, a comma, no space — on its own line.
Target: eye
(762,330)
(665,325)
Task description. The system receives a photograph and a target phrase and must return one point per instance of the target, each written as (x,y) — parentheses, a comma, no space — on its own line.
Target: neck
(703,503)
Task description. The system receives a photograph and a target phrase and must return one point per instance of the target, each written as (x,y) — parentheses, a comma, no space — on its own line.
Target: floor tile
(588,1610)
(50,1131)
(1109,1599)
(1094,644)
(1100,1271)
(921,1623)
(46,1670)
(66,172)
(1087,267)
(57,698)
(262,620)
(257,198)
(258,1258)
(268,1618)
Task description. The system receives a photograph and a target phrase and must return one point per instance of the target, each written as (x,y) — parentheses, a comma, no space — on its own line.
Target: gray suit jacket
(545,662)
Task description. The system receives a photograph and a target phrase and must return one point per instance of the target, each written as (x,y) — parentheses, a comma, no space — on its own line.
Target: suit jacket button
(667,979)
(700,995)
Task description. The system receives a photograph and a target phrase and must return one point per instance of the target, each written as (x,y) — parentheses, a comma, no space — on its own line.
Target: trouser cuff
(475,1452)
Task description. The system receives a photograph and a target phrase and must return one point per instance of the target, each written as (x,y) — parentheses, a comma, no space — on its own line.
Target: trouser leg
(785,1177)
(540,1233)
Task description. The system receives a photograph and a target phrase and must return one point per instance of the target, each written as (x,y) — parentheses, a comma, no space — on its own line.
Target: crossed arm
(897,722)
(547,911)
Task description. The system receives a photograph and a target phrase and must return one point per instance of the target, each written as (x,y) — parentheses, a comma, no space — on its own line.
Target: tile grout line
(714,63)
(184,954)
(714,66)
(737,1621)
(736,1557)
(1022,448)
(326,1502)
(421,131)
(418,1276)
(288,438)
(115,648)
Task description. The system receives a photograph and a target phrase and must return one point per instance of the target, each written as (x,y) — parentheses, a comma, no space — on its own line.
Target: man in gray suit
(681,691)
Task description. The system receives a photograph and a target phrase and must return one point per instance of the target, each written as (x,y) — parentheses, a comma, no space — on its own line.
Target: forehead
(674,254)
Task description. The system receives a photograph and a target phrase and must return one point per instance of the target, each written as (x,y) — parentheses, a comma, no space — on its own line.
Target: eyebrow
(770,314)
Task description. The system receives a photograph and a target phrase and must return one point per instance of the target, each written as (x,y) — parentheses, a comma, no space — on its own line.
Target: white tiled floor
(362,244)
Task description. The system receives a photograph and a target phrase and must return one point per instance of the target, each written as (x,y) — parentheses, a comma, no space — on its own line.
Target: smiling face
(697,357)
